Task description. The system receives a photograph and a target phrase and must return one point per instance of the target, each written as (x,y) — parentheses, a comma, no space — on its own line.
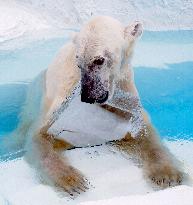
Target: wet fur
(44,149)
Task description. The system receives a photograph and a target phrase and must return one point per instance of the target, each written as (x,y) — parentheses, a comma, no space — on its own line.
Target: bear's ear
(133,31)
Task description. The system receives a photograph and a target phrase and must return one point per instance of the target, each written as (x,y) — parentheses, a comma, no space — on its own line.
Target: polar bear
(99,56)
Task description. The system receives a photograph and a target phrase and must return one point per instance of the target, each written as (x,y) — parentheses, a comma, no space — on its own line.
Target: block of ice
(86,124)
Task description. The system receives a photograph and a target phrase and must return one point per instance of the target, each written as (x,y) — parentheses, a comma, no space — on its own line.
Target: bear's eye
(79,66)
(99,61)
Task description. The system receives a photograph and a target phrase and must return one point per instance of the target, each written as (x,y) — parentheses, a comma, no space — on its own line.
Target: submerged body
(99,58)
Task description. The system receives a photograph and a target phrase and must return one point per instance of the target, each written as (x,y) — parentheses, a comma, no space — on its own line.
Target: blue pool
(164,77)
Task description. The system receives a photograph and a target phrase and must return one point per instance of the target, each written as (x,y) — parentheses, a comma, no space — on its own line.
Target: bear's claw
(165,176)
(73,183)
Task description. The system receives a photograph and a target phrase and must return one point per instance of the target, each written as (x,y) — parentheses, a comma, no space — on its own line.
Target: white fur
(63,74)
(108,38)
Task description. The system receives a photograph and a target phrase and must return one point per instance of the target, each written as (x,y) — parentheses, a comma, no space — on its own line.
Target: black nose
(103,98)
(85,97)
(88,99)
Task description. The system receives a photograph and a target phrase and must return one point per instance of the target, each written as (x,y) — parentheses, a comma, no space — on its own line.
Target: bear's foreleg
(160,167)
(54,168)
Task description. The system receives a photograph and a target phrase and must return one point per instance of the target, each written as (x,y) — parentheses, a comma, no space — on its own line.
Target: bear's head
(103,49)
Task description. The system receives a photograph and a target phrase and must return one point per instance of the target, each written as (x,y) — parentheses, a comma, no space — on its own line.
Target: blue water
(12,97)
(167,94)
(17,69)
(179,37)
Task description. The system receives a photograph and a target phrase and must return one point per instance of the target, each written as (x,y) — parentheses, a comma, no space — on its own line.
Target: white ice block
(84,124)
